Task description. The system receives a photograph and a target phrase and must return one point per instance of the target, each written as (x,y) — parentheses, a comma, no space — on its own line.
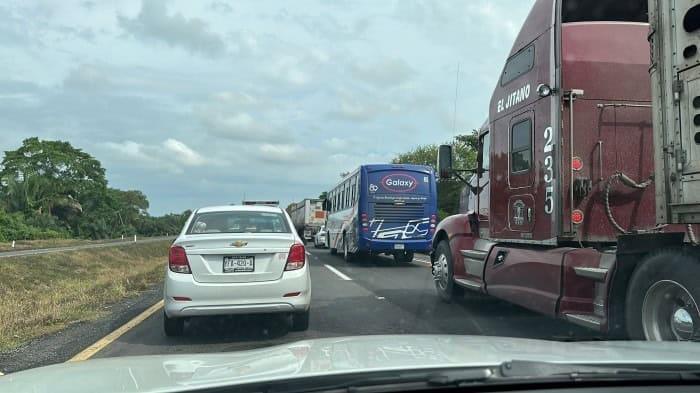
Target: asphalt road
(367,297)
(110,243)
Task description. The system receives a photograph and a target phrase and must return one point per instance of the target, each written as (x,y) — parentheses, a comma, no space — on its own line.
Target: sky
(202,103)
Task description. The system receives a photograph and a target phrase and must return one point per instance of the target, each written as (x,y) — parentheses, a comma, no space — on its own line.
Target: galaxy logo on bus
(399,182)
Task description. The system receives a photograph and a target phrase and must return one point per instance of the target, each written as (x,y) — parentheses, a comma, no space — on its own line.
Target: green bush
(13,226)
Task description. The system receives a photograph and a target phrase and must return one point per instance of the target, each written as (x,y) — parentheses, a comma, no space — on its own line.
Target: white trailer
(674,35)
(308,216)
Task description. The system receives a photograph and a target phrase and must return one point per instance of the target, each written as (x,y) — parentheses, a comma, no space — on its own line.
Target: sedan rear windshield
(238,222)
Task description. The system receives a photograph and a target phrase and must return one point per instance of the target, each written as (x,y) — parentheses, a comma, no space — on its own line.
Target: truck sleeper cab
(570,227)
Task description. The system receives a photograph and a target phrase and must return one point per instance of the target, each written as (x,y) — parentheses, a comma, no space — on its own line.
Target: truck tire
(443,271)
(662,298)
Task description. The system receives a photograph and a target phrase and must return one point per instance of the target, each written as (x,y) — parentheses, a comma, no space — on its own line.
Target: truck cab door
(524,134)
(524,127)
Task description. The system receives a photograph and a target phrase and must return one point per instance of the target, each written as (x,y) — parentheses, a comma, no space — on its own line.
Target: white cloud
(193,34)
(171,154)
(335,143)
(183,153)
(363,107)
(88,78)
(230,115)
(385,73)
(130,149)
(286,153)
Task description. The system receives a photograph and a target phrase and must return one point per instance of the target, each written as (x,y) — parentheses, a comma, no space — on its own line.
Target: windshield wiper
(391,380)
(541,370)
(513,372)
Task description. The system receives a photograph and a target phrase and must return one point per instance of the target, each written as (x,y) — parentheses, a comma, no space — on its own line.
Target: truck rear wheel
(443,273)
(662,298)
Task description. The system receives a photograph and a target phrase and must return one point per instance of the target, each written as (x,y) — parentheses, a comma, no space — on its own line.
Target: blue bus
(383,208)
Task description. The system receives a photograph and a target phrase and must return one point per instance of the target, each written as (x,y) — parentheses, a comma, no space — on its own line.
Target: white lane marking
(422,261)
(338,273)
(308,253)
(380,297)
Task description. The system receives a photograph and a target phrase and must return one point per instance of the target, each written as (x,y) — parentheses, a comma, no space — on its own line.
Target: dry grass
(41,294)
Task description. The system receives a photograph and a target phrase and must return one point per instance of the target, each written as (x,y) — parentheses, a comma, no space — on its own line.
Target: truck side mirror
(444,161)
(326,206)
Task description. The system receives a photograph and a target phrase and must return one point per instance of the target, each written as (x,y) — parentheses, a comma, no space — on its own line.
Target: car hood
(343,355)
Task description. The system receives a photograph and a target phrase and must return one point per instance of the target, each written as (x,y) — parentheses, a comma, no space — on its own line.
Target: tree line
(465,148)
(50,189)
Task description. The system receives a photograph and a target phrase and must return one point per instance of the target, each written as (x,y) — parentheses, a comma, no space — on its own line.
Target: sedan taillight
(177,260)
(296,257)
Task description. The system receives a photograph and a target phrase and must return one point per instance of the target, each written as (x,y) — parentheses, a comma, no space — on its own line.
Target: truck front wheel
(443,273)
(662,298)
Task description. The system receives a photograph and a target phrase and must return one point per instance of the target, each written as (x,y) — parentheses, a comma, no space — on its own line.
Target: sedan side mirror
(444,161)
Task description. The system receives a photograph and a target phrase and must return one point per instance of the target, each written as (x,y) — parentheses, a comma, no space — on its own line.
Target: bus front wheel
(347,255)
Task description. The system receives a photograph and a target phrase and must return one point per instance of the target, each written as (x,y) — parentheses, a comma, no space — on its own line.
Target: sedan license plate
(239,264)
(398,246)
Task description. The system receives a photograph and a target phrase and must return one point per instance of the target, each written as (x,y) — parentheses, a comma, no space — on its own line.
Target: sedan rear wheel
(173,326)
(300,321)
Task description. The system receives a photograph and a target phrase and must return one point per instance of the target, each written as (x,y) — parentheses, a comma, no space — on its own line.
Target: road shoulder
(61,346)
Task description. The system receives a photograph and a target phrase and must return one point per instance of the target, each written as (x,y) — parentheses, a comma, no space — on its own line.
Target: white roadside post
(13,244)
(134,237)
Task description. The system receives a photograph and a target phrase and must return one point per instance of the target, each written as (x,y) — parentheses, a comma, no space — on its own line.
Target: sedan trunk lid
(206,254)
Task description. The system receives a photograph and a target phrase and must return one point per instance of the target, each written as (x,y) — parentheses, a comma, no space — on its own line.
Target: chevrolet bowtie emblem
(239,243)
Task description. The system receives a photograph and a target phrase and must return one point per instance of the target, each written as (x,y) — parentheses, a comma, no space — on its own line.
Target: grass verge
(41,294)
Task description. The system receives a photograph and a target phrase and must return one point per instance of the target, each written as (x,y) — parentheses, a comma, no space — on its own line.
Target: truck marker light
(577,216)
(576,163)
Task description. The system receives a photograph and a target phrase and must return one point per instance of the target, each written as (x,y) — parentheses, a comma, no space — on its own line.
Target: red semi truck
(586,185)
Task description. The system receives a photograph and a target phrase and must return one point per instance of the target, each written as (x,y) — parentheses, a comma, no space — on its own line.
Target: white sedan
(320,237)
(237,260)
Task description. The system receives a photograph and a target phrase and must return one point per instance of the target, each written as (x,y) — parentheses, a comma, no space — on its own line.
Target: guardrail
(111,243)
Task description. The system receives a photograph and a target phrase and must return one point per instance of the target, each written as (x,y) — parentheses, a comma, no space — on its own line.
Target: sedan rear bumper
(237,298)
